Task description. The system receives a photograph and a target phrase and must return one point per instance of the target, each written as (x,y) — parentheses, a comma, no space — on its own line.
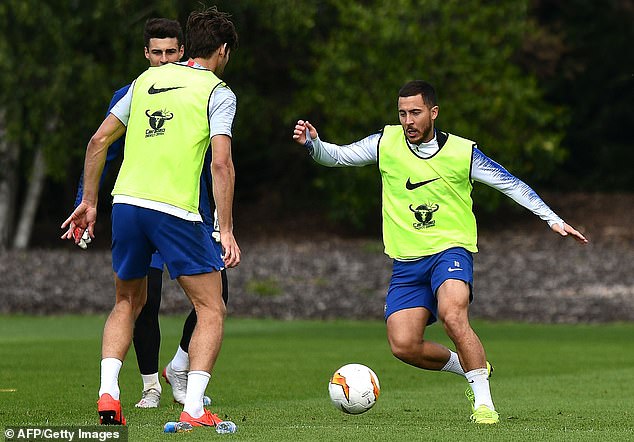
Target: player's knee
(456,325)
(210,312)
(128,306)
(402,350)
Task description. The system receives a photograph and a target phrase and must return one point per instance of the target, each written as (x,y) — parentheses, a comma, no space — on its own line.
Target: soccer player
(163,44)
(429,229)
(171,113)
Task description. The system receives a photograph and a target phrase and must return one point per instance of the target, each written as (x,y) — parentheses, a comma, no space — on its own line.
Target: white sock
(151,381)
(110,377)
(196,385)
(479,382)
(453,364)
(180,361)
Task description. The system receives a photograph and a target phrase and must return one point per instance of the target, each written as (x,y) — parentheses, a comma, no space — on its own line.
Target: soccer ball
(354,388)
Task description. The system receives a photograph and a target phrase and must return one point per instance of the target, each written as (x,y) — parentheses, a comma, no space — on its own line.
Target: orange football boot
(208,419)
(109,411)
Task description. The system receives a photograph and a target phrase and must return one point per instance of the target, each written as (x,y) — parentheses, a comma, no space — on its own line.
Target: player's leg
(147,340)
(410,307)
(204,291)
(118,330)
(190,321)
(453,305)
(405,333)
(176,370)
(195,260)
(453,302)
(130,259)
(117,335)
(452,281)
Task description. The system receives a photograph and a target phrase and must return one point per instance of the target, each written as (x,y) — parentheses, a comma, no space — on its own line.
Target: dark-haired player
(169,115)
(429,229)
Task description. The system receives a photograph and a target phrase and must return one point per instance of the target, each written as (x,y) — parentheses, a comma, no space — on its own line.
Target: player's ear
(434,112)
(223,50)
(146,52)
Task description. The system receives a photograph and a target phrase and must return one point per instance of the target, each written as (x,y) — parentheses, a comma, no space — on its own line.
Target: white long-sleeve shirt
(483,169)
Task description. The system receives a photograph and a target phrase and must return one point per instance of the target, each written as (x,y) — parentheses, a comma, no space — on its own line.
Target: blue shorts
(414,283)
(138,232)
(157,260)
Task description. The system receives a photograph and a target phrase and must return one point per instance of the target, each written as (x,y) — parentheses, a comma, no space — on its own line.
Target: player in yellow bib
(170,118)
(429,229)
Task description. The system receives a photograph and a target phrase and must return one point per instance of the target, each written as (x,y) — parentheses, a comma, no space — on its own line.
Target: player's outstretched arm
(299,134)
(569,230)
(85,214)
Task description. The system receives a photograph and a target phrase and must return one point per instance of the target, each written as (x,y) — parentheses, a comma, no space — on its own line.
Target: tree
(582,56)
(8,176)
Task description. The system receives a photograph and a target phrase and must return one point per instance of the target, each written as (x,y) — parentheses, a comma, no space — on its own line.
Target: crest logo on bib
(424,214)
(157,121)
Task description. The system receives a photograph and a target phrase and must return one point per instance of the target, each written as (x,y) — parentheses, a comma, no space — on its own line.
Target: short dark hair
(421,87)
(162,28)
(208,29)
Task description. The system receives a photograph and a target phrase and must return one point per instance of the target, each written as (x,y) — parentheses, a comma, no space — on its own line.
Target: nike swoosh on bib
(411,186)
(153,90)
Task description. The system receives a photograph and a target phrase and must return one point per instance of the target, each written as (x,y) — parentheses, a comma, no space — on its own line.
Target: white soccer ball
(354,388)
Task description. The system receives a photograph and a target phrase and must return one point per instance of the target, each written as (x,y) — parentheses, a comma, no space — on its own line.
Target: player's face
(161,51)
(416,118)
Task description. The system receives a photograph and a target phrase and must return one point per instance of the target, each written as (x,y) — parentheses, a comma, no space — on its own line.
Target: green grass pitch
(551,382)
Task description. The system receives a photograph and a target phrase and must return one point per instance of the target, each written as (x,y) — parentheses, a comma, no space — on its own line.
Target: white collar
(425,149)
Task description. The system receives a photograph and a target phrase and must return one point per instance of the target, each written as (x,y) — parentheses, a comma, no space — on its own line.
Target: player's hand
(231,251)
(567,229)
(300,135)
(80,221)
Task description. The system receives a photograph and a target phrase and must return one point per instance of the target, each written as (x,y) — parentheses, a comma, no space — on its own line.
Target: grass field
(552,382)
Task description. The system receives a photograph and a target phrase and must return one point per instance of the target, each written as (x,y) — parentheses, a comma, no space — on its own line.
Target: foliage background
(544,86)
